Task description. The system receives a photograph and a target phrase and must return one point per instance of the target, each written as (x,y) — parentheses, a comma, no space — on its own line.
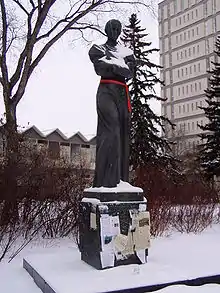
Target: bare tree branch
(74,5)
(51,30)
(60,34)
(13,37)
(29,51)
(3,62)
(21,6)
(18,71)
(87,26)
(68,17)
(32,3)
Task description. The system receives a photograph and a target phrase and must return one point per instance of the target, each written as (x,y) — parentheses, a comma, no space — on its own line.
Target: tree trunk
(11,129)
(10,208)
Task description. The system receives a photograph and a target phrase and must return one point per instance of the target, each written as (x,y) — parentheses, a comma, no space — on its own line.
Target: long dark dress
(112,140)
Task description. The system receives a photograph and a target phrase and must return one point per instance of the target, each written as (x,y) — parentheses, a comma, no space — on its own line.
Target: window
(214,25)
(184,18)
(194,50)
(195,86)
(183,90)
(64,144)
(192,14)
(196,13)
(194,67)
(180,20)
(183,108)
(188,126)
(176,22)
(54,149)
(85,146)
(193,125)
(191,88)
(188,34)
(178,91)
(193,33)
(185,53)
(176,39)
(206,8)
(187,107)
(182,71)
(75,150)
(200,103)
(181,55)
(200,85)
(214,5)
(189,52)
(177,56)
(192,106)
(197,30)
(188,16)
(42,141)
(201,122)
(179,109)
(197,48)
(199,67)
(207,44)
(187,89)
(184,36)
(190,69)
(181,38)
(178,73)
(196,105)
(186,71)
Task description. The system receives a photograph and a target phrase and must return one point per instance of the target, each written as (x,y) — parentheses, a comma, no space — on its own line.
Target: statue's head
(113,29)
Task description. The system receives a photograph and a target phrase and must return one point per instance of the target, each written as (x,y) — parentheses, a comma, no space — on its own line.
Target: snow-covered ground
(177,256)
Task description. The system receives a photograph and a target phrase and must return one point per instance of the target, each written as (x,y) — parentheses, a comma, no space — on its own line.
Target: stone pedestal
(114,232)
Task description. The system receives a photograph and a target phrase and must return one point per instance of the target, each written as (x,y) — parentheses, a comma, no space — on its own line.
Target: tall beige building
(187,34)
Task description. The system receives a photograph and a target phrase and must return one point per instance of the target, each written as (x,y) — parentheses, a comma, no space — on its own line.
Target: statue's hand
(131,64)
(140,62)
(108,55)
(130,58)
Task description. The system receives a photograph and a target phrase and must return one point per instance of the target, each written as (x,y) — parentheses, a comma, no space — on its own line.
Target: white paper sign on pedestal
(120,242)
(142,232)
(107,253)
(93,221)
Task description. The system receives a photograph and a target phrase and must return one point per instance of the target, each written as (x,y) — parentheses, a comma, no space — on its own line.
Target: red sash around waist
(120,83)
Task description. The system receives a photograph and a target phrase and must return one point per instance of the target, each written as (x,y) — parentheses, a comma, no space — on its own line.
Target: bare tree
(29,28)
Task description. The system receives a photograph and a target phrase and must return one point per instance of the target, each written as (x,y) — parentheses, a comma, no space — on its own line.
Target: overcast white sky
(62,91)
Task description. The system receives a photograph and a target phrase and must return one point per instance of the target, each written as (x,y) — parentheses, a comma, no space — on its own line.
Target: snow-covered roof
(57,131)
(33,127)
(46,134)
(80,135)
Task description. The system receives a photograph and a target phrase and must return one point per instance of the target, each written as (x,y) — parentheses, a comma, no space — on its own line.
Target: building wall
(74,150)
(187,34)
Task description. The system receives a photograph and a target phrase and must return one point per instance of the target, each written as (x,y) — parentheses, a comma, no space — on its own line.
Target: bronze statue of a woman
(114,63)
